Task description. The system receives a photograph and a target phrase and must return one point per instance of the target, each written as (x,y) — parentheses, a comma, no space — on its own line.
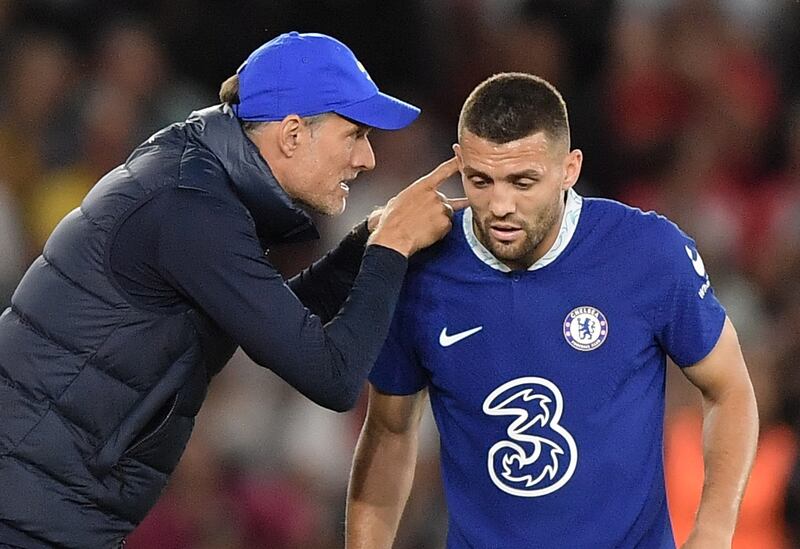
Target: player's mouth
(345,187)
(504,232)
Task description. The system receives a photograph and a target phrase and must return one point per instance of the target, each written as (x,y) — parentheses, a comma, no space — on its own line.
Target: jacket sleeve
(210,253)
(325,285)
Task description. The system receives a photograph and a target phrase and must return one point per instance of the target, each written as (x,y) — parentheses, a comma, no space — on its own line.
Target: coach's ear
(572,168)
(291,132)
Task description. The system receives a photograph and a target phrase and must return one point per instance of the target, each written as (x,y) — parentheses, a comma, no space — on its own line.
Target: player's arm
(730,435)
(383,469)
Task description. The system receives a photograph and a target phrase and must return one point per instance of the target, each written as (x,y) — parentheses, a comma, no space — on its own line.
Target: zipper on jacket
(158,428)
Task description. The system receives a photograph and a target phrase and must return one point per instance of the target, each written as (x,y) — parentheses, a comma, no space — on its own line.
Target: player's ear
(457,151)
(572,168)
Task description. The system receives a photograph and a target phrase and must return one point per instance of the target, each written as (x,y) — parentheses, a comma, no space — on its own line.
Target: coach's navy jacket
(140,296)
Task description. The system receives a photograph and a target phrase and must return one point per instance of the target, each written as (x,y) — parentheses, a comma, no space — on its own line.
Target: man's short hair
(229,93)
(513,105)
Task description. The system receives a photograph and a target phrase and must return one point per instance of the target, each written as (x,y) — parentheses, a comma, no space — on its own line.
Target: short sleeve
(397,370)
(690,318)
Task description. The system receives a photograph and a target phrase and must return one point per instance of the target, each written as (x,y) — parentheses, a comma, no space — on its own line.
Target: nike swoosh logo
(697,261)
(446,340)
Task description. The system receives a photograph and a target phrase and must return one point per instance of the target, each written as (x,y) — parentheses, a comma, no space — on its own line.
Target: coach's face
(320,157)
(516,191)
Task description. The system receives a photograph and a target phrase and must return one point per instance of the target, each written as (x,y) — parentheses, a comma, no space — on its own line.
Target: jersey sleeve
(397,370)
(689,318)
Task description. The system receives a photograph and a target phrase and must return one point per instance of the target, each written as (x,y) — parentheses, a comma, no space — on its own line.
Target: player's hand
(419,215)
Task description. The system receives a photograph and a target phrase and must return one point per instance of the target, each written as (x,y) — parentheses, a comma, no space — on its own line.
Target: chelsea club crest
(585,328)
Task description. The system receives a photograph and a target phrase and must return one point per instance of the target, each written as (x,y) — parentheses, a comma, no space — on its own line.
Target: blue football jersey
(547,385)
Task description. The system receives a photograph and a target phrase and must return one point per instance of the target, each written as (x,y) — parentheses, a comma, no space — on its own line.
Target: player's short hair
(229,93)
(512,105)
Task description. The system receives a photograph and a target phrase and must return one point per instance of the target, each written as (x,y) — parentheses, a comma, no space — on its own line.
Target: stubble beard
(519,254)
(323,205)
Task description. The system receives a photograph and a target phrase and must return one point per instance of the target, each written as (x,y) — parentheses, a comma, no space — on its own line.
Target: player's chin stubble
(521,253)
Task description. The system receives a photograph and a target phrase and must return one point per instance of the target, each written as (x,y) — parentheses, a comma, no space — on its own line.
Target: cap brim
(381,111)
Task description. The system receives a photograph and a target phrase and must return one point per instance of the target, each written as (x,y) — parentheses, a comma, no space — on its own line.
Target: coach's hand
(419,215)
(373,219)
(711,538)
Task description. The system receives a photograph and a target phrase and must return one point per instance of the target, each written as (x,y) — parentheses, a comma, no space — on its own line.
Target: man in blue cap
(143,293)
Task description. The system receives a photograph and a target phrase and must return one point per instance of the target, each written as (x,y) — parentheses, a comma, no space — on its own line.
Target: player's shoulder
(631,223)
(613,212)
(634,232)
(428,274)
(444,255)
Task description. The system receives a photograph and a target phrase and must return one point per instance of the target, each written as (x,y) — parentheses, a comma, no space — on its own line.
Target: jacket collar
(277,218)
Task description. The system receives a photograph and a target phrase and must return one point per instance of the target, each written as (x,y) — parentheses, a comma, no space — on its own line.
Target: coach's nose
(363,155)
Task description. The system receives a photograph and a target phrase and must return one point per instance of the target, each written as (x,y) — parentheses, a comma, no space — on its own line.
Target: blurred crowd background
(688,107)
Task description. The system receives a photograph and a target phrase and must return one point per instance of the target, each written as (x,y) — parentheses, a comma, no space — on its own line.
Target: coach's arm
(383,469)
(730,436)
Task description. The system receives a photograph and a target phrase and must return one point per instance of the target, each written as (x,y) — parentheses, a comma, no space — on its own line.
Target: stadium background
(689,107)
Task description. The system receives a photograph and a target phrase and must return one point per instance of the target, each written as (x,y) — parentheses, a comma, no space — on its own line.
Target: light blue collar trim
(572,213)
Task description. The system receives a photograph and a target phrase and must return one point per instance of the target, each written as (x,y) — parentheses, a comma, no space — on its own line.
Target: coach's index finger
(458,203)
(439,174)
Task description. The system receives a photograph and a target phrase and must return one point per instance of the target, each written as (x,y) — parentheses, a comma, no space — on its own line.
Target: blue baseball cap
(309,74)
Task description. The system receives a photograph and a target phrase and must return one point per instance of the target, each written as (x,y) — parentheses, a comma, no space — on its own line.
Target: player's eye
(479,183)
(524,184)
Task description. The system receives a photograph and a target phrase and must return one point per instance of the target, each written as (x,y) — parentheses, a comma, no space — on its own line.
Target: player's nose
(501,202)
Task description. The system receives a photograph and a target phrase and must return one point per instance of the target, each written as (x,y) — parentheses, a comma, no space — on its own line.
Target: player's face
(330,154)
(516,191)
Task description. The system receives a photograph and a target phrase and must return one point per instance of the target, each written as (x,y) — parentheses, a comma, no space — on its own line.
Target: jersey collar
(572,213)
